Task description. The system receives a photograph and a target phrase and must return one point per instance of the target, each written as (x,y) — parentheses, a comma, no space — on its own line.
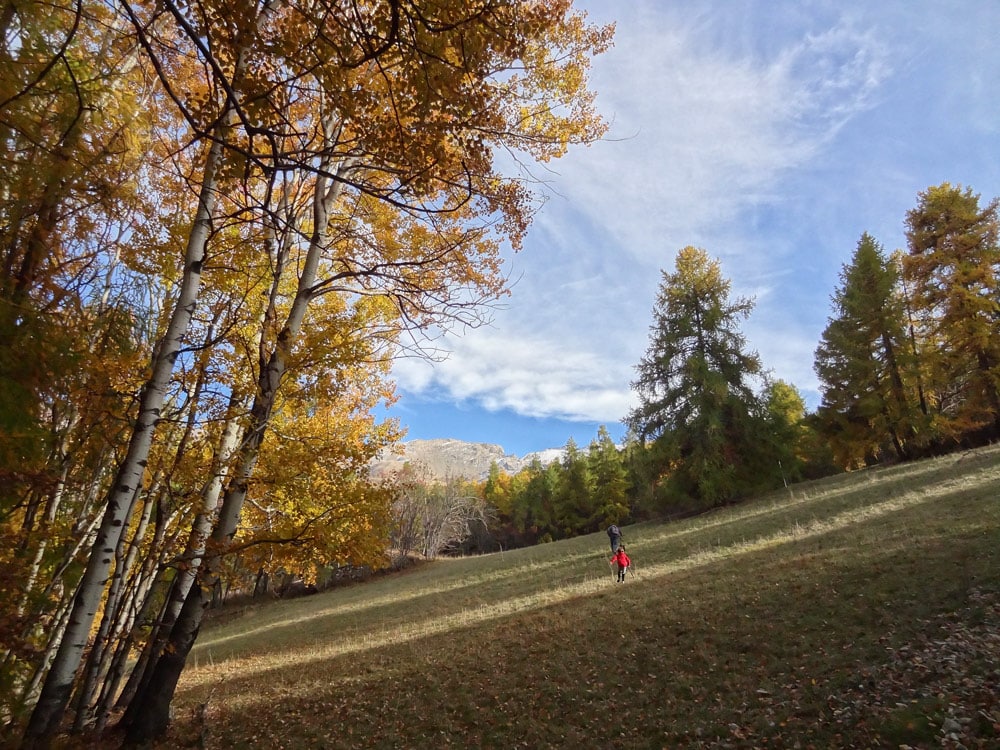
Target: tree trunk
(58,684)
(149,712)
(152,720)
(201,530)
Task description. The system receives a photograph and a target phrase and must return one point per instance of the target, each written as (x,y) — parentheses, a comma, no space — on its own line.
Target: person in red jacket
(621,562)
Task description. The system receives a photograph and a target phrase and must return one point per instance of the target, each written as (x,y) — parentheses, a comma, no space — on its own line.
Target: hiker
(615,535)
(621,562)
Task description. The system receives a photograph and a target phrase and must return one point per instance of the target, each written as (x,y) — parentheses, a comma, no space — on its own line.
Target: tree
(431,517)
(786,413)
(864,363)
(608,483)
(953,271)
(533,505)
(419,216)
(575,512)
(300,157)
(697,404)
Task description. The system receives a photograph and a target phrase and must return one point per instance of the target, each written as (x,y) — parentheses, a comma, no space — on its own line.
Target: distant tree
(608,480)
(863,361)
(532,505)
(785,414)
(497,491)
(431,517)
(953,271)
(574,507)
(697,404)
(404,530)
(643,477)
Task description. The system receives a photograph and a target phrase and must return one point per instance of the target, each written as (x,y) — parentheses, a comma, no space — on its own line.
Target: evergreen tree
(573,505)
(532,511)
(694,386)
(608,481)
(867,410)
(953,269)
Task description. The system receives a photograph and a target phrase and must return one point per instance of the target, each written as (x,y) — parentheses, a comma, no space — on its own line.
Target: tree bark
(148,714)
(58,684)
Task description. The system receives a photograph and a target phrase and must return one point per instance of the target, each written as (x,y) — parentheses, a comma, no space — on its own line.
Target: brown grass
(793,620)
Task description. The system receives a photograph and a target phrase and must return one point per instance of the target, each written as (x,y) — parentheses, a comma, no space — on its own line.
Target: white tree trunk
(58,684)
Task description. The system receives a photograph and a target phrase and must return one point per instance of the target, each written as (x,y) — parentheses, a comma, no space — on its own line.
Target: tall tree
(323,152)
(695,385)
(953,271)
(441,250)
(864,363)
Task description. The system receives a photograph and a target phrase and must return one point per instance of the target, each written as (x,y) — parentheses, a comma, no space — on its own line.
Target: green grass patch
(860,611)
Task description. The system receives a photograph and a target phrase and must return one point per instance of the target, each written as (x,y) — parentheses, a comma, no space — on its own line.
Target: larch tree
(952,271)
(571,500)
(865,363)
(697,403)
(533,504)
(608,483)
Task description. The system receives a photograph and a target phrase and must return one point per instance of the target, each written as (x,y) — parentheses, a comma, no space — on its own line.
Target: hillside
(455,458)
(857,611)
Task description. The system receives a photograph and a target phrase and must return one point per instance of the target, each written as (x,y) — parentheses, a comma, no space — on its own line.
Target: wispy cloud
(720,122)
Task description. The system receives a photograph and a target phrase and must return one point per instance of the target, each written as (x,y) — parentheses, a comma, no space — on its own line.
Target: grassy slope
(855,612)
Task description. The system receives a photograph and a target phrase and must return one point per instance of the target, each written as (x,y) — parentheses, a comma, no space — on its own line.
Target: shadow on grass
(734,650)
(748,624)
(466,591)
(383,621)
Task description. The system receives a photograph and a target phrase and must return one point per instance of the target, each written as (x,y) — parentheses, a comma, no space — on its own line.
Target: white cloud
(724,128)
(532,374)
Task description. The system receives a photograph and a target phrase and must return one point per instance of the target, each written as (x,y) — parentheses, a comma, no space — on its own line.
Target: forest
(221,223)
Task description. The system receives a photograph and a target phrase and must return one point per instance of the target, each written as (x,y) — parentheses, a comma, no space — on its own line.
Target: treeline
(910,361)
(220,221)
(908,365)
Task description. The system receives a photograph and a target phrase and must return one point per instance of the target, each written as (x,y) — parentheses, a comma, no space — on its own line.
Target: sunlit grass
(739,623)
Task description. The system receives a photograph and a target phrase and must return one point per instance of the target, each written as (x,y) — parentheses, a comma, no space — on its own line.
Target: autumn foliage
(220,223)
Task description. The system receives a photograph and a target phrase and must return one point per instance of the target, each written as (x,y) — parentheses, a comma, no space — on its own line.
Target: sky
(771,135)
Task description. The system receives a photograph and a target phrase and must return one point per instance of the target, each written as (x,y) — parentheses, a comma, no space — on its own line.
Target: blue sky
(770,134)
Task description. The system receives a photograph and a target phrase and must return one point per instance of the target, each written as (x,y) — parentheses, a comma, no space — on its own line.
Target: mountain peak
(448,457)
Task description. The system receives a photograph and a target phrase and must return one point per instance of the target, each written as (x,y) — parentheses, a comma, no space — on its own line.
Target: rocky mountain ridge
(446,457)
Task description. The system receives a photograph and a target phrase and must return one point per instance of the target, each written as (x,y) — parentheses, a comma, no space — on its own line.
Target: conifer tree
(867,410)
(697,403)
(573,505)
(608,480)
(532,507)
(786,414)
(953,270)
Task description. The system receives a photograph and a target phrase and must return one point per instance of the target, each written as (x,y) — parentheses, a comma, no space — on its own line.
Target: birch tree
(388,116)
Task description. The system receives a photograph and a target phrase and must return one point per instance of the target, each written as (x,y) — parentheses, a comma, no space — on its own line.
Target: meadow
(857,611)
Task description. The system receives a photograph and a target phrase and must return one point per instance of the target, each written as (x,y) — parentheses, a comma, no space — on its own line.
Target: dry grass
(770,624)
